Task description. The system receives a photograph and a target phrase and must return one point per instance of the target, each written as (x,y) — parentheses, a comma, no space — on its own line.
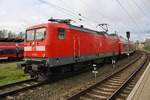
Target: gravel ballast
(57,90)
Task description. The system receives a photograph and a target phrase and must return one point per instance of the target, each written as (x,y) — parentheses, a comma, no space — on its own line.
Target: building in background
(147,42)
(141,45)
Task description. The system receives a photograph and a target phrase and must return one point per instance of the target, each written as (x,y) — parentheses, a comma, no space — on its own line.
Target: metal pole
(128,37)
(95,71)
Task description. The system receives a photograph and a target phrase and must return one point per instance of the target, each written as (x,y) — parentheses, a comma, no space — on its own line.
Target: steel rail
(19,82)
(84,91)
(6,91)
(15,91)
(113,96)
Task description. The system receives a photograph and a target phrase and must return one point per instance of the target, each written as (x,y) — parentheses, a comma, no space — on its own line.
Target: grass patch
(147,49)
(9,73)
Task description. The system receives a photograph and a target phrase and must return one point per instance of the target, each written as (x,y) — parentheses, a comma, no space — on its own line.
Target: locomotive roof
(37,26)
(70,26)
(68,22)
(86,29)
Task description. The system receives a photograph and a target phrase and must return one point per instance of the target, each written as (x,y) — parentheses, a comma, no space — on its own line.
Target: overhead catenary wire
(76,15)
(131,18)
(72,13)
(143,14)
(144,4)
(67,11)
(102,15)
(81,15)
(83,18)
(97,10)
(88,19)
(61,9)
(140,8)
(97,22)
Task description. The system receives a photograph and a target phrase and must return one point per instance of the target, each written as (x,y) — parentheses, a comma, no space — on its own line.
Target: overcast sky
(121,15)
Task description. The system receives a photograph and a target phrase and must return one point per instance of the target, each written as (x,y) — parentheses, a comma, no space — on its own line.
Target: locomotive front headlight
(44,55)
(26,59)
(47,61)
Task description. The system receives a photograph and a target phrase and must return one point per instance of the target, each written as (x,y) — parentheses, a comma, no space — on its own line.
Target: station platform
(141,91)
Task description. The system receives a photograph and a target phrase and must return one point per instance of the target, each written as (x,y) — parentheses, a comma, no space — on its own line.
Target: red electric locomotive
(51,45)
(10,48)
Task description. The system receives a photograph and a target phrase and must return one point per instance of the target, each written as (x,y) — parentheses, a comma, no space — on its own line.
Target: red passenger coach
(125,46)
(49,45)
(11,48)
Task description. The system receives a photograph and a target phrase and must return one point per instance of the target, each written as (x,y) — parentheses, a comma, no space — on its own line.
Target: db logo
(34,54)
(32,43)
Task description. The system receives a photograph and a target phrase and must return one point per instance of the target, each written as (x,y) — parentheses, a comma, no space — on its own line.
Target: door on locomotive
(35,42)
(76,43)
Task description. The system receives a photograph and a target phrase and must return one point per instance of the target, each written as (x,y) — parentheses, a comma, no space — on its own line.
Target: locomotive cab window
(40,34)
(30,35)
(61,33)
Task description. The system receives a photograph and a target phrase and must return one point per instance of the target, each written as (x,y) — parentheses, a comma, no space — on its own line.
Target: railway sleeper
(84,98)
(109,86)
(112,83)
(105,89)
(96,96)
(102,92)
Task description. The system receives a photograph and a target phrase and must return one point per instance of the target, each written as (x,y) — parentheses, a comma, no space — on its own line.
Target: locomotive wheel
(42,77)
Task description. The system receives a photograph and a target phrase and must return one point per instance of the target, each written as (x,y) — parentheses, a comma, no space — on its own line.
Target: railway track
(14,88)
(125,91)
(22,86)
(110,87)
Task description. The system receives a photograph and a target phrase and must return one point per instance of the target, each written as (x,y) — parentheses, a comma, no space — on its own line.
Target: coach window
(61,33)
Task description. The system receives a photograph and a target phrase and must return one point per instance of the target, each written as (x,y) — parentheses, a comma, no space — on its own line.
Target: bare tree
(7,34)
(3,33)
(21,35)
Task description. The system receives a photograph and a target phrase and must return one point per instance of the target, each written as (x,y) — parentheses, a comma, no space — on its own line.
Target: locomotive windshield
(40,34)
(30,35)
